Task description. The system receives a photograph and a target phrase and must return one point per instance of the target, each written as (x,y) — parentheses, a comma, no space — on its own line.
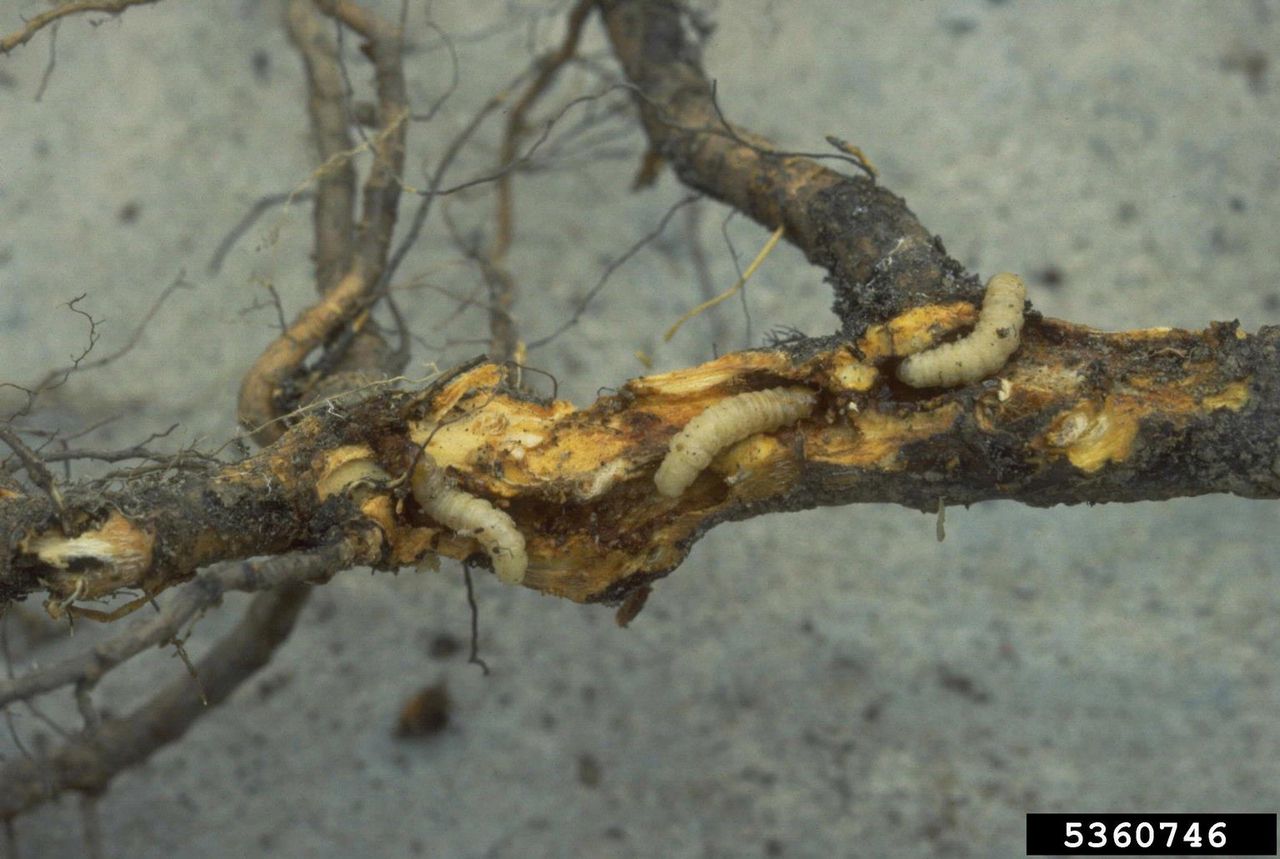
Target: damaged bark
(1077,416)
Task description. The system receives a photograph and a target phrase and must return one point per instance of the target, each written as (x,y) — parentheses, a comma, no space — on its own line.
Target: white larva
(984,351)
(470,516)
(723,424)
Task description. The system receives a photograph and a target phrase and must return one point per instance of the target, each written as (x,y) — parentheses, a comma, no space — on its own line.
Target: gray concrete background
(832,683)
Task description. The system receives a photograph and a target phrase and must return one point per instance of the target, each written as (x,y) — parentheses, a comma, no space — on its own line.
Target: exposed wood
(1078,415)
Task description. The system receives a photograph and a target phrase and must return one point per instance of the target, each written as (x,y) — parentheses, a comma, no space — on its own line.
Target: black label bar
(1151,834)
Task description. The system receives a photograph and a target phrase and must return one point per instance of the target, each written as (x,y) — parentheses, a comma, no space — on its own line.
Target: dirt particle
(269,686)
(1051,277)
(962,685)
(589,772)
(443,646)
(426,713)
(959,26)
(261,61)
(1250,62)
(1127,212)
(129,212)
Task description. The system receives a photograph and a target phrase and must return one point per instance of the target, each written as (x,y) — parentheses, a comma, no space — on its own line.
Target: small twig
(259,208)
(57,378)
(53,61)
(610,269)
(504,339)
(455,75)
(473,658)
(381,194)
(8,670)
(265,392)
(78,364)
(702,271)
(437,178)
(187,602)
(34,466)
(278,305)
(737,266)
(327,106)
(75,7)
(87,763)
(521,162)
(181,652)
(548,68)
(189,459)
(726,130)
(733,290)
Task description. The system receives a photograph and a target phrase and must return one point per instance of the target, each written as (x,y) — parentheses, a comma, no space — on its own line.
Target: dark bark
(879,257)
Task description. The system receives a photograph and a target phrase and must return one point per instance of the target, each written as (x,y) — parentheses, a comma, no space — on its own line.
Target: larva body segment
(474,517)
(723,424)
(984,350)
